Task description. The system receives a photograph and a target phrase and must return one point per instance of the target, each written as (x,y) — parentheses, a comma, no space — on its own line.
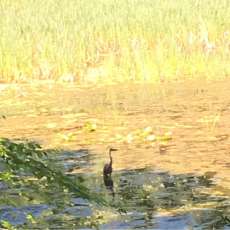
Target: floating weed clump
(90,126)
(67,136)
(146,135)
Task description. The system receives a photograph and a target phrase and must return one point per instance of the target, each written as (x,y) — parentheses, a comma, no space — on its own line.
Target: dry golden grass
(114,41)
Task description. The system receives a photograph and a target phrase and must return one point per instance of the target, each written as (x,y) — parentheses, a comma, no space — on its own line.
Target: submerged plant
(28,158)
(26,169)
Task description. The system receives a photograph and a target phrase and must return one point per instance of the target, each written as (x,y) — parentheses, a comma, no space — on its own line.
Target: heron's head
(111,149)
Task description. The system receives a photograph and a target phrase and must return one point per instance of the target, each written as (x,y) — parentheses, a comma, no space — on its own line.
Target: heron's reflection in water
(108,181)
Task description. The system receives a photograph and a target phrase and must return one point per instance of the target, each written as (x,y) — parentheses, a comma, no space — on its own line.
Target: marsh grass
(114,41)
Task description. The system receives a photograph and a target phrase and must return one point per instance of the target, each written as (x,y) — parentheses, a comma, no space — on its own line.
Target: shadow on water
(158,200)
(142,198)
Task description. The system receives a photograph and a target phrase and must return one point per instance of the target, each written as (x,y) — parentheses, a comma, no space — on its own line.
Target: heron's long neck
(111,159)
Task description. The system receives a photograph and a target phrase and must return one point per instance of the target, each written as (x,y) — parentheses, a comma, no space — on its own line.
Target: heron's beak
(113,149)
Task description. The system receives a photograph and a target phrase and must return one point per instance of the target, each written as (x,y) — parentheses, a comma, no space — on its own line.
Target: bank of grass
(114,40)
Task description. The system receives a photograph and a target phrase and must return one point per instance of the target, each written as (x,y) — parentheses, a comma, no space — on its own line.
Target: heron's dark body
(108,169)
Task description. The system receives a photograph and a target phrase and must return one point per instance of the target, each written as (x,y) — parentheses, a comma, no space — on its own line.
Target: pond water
(181,183)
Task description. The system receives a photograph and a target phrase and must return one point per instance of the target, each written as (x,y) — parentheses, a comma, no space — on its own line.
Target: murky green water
(141,198)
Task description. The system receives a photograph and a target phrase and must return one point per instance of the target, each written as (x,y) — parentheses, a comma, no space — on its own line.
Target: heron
(108,167)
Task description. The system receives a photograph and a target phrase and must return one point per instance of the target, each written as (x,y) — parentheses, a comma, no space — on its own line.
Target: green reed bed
(114,40)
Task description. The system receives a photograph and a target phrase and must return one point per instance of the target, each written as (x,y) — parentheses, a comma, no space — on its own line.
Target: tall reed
(114,40)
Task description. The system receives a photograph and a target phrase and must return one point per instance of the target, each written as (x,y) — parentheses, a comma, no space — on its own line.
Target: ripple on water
(18,216)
